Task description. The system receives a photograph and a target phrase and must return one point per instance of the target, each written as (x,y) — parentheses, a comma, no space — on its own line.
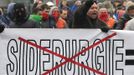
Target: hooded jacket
(19,17)
(10,9)
(52,22)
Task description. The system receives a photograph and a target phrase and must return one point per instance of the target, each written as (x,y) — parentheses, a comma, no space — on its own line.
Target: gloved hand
(2,28)
(105,29)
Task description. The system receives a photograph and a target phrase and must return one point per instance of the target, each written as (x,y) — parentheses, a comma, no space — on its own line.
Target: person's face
(64,3)
(93,11)
(78,3)
(103,10)
(55,13)
(124,3)
(120,13)
(131,13)
(64,14)
(116,4)
(103,14)
(46,10)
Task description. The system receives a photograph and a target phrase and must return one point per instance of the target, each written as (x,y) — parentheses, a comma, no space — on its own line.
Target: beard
(94,16)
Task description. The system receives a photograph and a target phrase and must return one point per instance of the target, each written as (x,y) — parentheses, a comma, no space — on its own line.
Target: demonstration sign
(66,52)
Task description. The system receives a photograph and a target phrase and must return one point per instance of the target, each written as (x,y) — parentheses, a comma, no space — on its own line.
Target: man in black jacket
(87,17)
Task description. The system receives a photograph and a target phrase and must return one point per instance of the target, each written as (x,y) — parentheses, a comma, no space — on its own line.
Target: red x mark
(70,59)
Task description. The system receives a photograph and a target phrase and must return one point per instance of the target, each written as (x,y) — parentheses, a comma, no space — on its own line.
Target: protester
(116,3)
(105,17)
(76,5)
(4,19)
(19,17)
(87,17)
(62,21)
(54,16)
(80,14)
(119,12)
(35,16)
(125,18)
(63,5)
(129,3)
(39,4)
(3,23)
(107,4)
(45,16)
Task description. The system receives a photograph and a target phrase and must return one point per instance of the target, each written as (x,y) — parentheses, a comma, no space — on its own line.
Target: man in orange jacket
(105,17)
(62,23)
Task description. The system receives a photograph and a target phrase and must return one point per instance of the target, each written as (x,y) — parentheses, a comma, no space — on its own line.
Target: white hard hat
(50,3)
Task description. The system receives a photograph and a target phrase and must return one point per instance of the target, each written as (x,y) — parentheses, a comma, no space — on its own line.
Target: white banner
(66,52)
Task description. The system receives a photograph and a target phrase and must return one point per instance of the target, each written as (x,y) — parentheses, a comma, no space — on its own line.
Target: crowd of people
(70,14)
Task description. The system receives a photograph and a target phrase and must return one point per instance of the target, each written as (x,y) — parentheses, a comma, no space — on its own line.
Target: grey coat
(130,25)
(27,24)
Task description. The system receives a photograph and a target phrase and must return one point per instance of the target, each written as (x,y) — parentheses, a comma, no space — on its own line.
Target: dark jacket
(49,23)
(81,20)
(27,24)
(4,20)
(121,23)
